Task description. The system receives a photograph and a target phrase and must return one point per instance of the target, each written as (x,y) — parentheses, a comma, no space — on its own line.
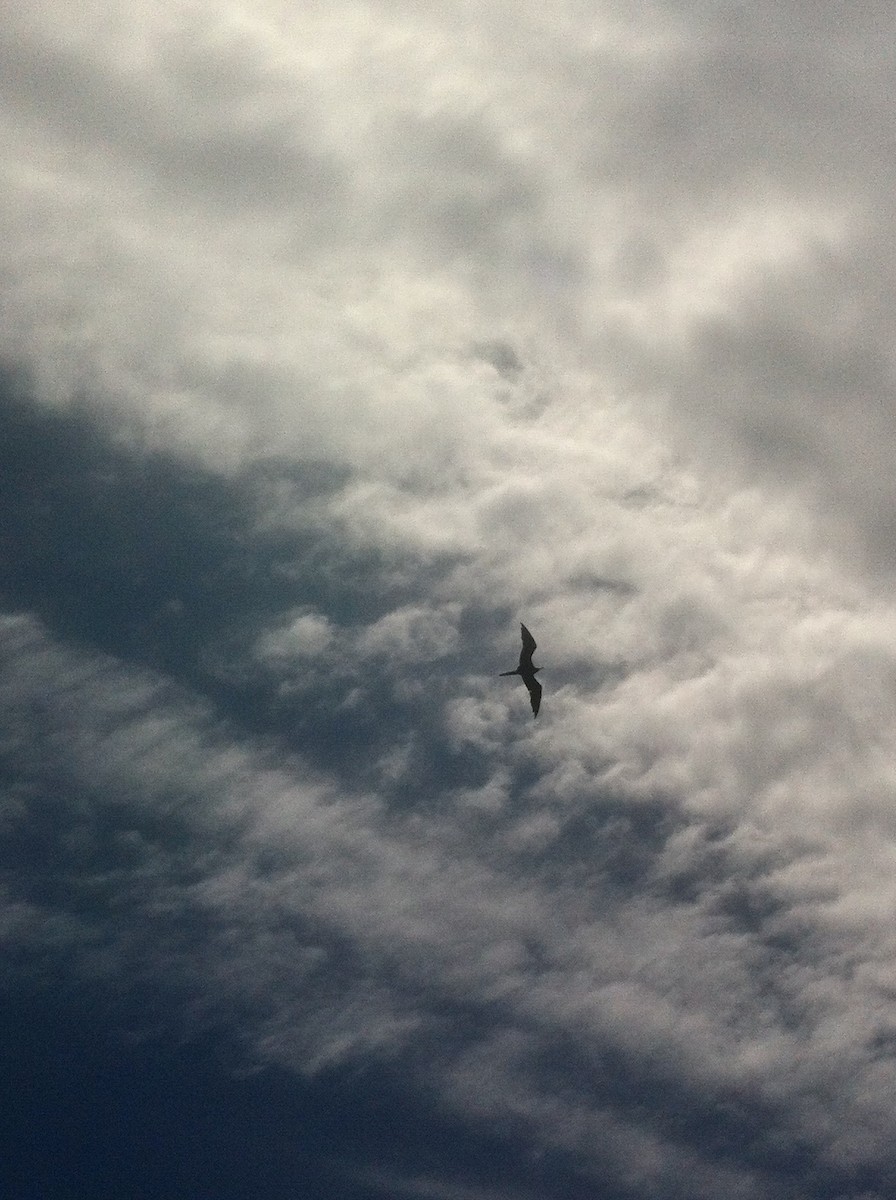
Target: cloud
(338,342)
(261,885)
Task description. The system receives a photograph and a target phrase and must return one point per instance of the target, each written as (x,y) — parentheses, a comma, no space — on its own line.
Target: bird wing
(528,647)
(534,694)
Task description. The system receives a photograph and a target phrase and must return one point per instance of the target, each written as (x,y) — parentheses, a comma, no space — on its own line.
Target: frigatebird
(526,671)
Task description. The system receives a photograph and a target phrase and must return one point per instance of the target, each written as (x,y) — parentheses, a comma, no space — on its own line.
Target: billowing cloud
(336,342)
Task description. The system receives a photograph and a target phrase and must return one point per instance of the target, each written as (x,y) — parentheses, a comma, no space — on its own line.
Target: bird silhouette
(526,671)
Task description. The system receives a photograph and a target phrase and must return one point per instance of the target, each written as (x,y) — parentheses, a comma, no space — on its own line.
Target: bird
(526,671)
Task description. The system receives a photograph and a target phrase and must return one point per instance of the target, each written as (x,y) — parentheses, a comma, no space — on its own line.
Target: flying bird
(526,671)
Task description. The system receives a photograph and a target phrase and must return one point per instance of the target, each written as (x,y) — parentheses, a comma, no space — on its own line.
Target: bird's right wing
(529,643)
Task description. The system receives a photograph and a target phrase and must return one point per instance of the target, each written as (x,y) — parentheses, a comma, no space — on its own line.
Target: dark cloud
(136,553)
(349,341)
(502,357)
(158,1112)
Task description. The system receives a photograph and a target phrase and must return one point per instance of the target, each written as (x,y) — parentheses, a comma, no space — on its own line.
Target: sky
(337,340)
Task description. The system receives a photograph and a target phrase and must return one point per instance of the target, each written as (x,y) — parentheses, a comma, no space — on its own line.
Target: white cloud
(589,315)
(285,870)
(308,635)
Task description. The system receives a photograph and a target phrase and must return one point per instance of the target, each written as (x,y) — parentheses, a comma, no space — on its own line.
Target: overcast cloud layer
(337,339)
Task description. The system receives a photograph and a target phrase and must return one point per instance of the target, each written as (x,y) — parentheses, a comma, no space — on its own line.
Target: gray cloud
(209,118)
(352,338)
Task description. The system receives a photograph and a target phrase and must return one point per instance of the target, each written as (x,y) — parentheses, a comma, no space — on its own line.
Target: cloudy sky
(338,338)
